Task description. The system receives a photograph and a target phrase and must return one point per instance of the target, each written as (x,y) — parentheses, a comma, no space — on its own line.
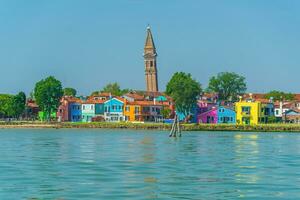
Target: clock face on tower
(150,63)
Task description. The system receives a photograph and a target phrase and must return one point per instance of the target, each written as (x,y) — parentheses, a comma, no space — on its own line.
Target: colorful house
(292,116)
(254,112)
(75,111)
(151,111)
(88,111)
(144,111)
(132,111)
(113,110)
(226,115)
(93,109)
(69,109)
(218,115)
(209,117)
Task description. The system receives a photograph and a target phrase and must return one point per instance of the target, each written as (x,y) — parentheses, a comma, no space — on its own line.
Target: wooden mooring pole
(175,130)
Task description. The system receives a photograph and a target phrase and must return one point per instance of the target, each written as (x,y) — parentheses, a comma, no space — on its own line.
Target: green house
(42,116)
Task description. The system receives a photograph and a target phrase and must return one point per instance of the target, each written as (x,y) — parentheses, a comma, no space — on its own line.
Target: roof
(149,44)
(135,96)
(263,100)
(117,98)
(210,110)
(71,99)
(92,101)
(255,95)
(31,104)
(147,103)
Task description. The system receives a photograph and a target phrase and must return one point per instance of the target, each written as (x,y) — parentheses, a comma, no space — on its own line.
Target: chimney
(240,97)
(251,96)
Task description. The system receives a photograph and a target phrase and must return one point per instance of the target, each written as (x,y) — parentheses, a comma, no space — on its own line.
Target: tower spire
(149,45)
(150,63)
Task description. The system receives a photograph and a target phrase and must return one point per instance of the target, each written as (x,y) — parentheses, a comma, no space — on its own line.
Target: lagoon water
(123,164)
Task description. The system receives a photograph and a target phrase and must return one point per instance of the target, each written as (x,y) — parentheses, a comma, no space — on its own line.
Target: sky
(87,44)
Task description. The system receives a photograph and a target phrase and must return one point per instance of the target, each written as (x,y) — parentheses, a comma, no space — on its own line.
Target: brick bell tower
(150,63)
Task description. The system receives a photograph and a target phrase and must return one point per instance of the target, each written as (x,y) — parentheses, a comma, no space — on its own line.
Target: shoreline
(153,126)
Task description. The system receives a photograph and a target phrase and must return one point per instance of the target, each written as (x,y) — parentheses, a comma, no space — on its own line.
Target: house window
(92,107)
(83,107)
(246,109)
(136,109)
(277,112)
(127,108)
(119,107)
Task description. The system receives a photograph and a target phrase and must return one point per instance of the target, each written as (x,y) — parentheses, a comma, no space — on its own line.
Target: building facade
(226,115)
(253,112)
(88,111)
(113,110)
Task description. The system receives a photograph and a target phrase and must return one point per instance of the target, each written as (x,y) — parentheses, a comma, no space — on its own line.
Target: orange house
(132,111)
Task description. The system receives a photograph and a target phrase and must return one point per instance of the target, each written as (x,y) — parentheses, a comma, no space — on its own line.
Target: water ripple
(108,164)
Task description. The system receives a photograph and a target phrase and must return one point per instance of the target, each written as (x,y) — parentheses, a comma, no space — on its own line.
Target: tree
(47,93)
(12,105)
(228,85)
(166,112)
(184,90)
(18,104)
(6,109)
(279,95)
(114,89)
(70,92)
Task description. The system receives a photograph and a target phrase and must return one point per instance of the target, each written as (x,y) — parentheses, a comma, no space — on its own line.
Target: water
(114,164)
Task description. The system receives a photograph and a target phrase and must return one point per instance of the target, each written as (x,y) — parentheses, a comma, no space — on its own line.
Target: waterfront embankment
(156,126)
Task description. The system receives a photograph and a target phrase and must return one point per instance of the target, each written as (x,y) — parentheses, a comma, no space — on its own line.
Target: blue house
(226,115)
(99,108)
(113,110)
(75,112)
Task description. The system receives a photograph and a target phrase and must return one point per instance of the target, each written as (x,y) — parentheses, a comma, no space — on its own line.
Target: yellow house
(132,111)
(253,112)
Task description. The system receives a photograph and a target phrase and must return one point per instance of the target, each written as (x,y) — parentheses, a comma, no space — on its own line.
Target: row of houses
(250,109)
(148,107)
(105,107)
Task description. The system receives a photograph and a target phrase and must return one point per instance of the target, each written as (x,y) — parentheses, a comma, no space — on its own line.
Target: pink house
(208,117)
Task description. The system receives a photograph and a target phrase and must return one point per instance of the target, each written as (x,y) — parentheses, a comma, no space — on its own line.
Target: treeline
(182,87)
(12,106)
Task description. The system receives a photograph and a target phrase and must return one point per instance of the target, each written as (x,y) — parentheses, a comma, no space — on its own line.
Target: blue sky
(87,44)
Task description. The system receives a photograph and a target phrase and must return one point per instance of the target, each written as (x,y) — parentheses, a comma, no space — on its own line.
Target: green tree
(47,93)
(114,89)
(166,112)
(228,85)
(279,95)
(184,90)
(18,104)
(6,109)
(70,92)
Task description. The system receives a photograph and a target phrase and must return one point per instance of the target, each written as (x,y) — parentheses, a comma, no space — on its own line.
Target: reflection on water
(114,164)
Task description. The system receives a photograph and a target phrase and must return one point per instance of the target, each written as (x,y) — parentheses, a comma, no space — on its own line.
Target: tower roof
(149,40)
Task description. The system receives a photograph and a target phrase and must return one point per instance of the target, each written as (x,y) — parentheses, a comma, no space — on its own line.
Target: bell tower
(150,63)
